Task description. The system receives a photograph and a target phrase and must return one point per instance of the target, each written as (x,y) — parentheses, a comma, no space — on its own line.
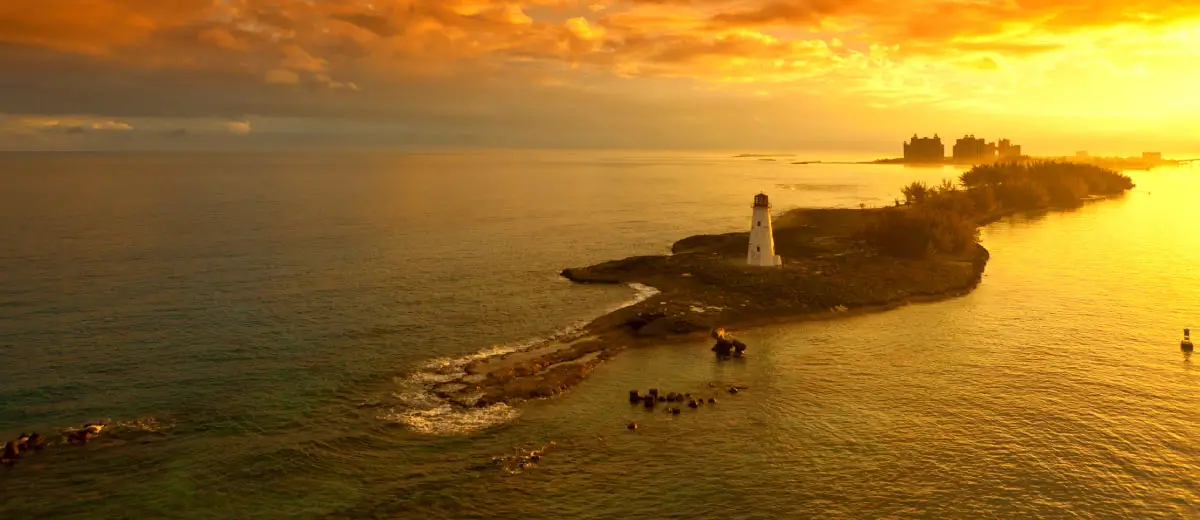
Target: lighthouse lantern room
(762,239)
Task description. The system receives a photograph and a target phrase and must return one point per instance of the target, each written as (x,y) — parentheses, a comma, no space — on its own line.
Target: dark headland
(837,262)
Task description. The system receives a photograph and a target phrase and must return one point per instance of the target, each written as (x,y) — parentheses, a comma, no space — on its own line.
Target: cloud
(282,77)
(448,60)
(112,126)
(72,125)
(238,127)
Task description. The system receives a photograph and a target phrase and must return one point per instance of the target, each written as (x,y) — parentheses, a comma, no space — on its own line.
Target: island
(837,262)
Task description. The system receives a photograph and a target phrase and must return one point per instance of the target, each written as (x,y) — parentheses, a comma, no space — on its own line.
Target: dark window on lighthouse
(757,249)
(760,223)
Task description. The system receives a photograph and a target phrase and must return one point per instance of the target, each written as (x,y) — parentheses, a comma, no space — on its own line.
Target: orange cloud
(238,127)
(66,125)
(890,52)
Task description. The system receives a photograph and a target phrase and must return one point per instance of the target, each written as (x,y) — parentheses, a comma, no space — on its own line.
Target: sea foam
(422,411)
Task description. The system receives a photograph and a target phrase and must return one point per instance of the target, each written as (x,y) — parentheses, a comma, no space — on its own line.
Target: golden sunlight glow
(1126,65)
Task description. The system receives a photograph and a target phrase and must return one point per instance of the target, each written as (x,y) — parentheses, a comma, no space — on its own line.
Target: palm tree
(915,193)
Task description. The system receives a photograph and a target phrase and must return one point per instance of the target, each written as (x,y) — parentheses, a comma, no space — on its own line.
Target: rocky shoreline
(828,272)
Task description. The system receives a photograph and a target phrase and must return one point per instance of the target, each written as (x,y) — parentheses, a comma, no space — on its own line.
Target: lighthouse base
(765,261)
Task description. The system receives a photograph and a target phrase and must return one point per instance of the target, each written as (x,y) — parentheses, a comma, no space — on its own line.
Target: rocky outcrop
(705,285)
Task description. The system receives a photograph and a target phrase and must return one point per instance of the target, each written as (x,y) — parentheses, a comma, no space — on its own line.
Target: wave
(421,410)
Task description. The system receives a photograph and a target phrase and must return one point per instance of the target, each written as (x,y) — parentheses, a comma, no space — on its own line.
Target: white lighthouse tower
(762,237)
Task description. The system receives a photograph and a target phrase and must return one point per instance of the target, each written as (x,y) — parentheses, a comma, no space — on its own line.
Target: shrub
(942,218)
(916,192)
(1059,177)
(983,198)
(1022,195)
(959,202)
(1067,191)
(921,232)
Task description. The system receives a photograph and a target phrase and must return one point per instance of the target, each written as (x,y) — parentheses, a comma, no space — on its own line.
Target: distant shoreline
(1118,163)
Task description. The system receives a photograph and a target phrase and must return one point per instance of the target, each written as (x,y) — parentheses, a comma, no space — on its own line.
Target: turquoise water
(269,313)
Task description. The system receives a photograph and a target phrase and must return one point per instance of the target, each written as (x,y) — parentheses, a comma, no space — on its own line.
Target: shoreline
(1121,163)
(703,285)
(836,263)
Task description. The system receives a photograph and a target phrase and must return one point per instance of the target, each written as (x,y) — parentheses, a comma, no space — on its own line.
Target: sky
(1108,76)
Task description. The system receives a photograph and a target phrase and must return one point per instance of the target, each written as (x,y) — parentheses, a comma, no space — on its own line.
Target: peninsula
(836,262)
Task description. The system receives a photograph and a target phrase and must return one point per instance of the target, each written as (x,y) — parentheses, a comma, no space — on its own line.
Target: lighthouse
(762,238)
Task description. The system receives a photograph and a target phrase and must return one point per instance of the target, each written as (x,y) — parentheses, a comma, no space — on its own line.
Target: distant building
(925,149)
(972,149)
(1152,156)
(1007,150)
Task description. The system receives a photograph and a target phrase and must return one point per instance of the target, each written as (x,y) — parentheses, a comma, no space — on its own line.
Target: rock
(675,411)
(634,397)
(12,451)
(723,348)
(632,426)
(662,398)
(642,319)
(693,404)
(649,402)
(712,400)
(733,390)
(738,347)
(36,441)
(653,392)
(80,437)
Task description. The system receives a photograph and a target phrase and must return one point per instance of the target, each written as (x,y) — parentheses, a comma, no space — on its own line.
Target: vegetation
(944,218)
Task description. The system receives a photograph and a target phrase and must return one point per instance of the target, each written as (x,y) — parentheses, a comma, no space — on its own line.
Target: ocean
(261,331)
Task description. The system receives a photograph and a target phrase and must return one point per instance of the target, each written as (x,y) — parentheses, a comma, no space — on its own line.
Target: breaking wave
(420,409)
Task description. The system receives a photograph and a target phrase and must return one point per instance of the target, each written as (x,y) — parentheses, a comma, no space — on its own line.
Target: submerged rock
(12,452)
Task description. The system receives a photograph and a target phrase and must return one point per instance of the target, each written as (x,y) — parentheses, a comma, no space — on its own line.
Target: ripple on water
(423,411)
